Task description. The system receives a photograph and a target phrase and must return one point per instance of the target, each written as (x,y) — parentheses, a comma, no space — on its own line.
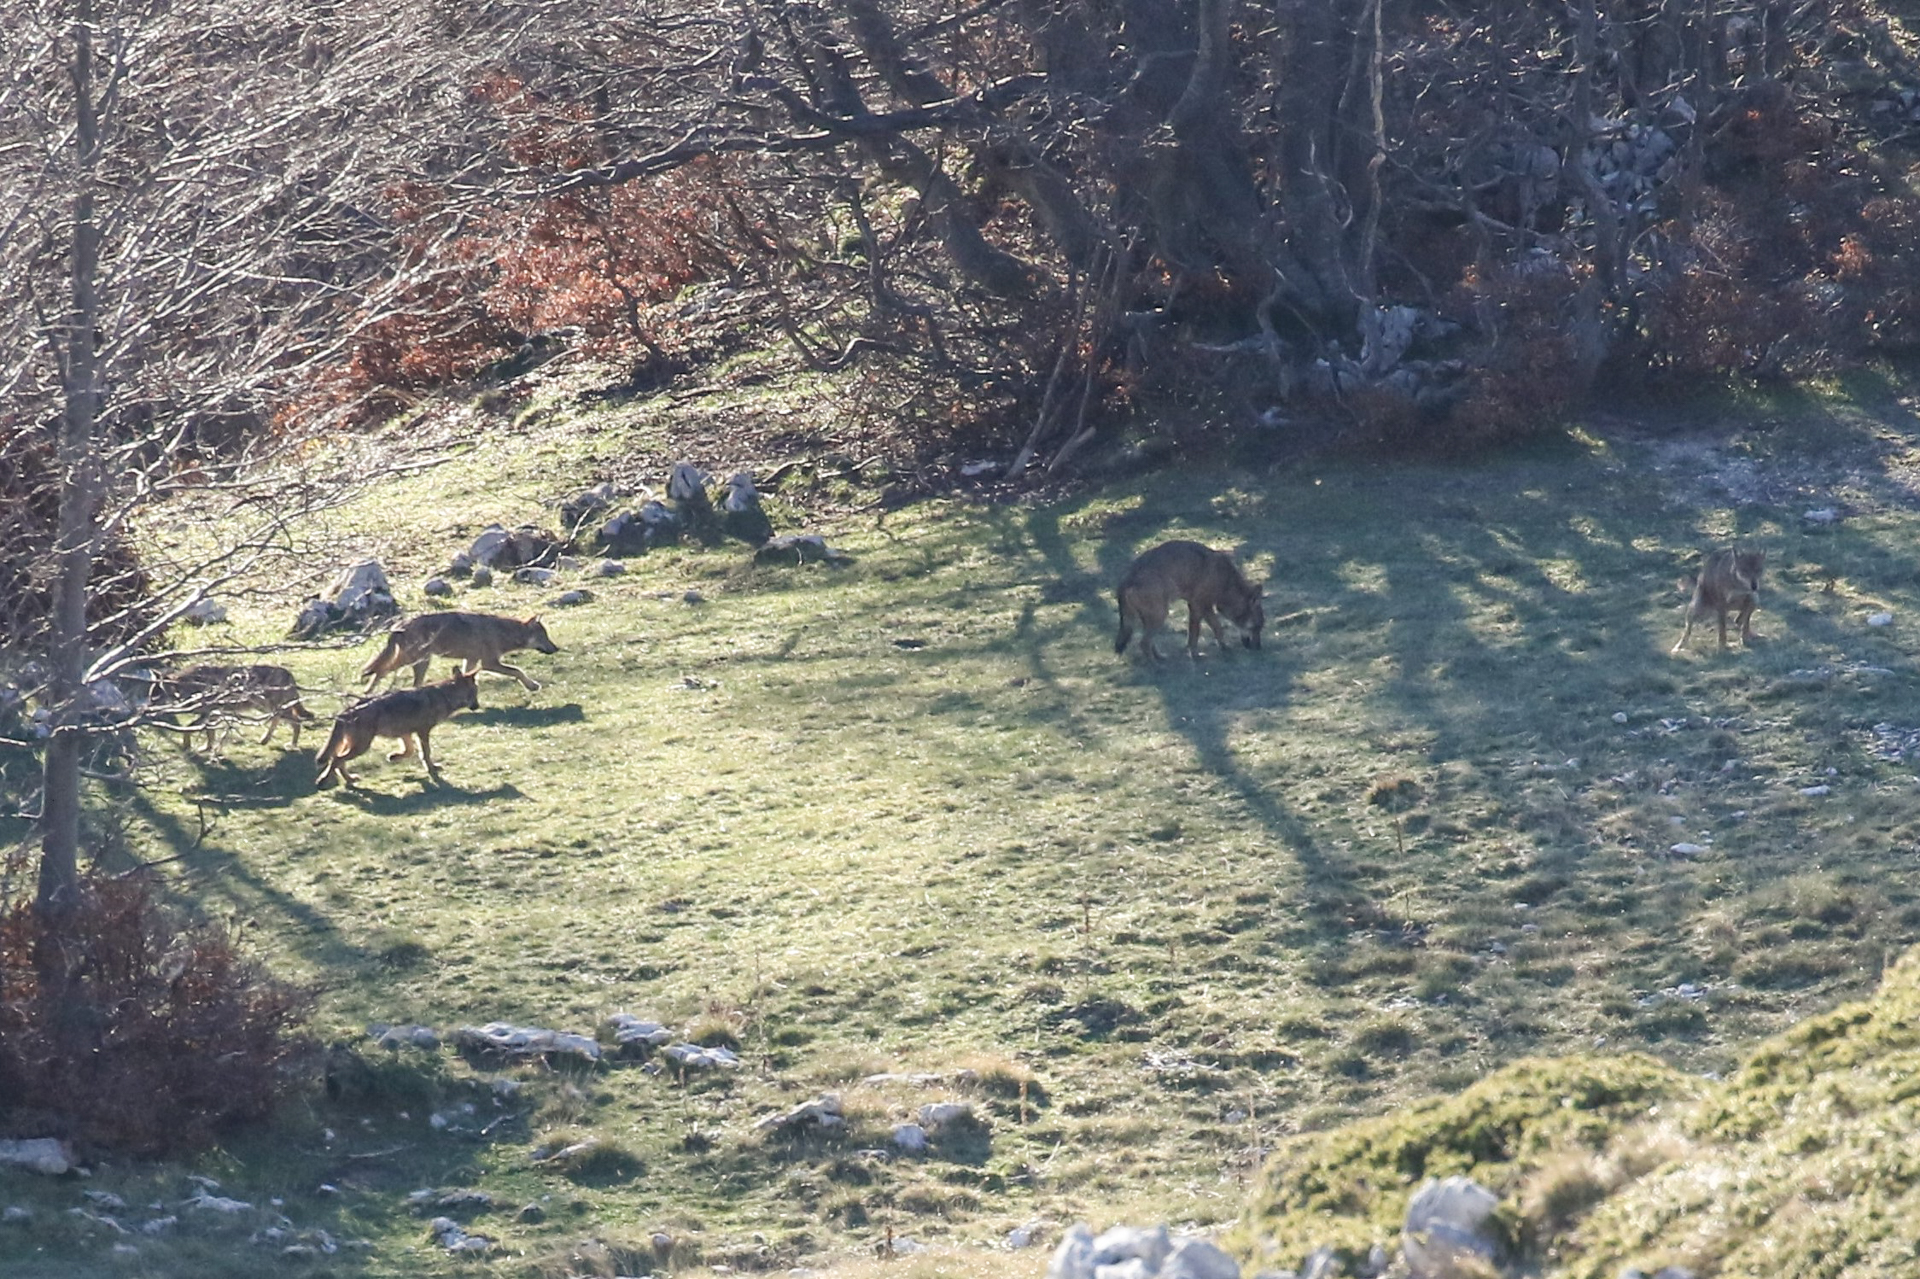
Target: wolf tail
(1126,624)
(386,660)
(331,751)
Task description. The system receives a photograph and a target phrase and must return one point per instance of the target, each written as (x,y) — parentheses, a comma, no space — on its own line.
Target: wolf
(1210,583)
(405,714)
(478,638)
(1729,582)
(209,693)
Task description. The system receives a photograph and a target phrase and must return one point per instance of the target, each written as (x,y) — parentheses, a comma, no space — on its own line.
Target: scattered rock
(531,1214)
(436,588)
(461,1201)
(15,1214)
(1450,1231)
(1688,850)
(205,613)
(696,1057)
(47,1156)
(536,576)
(586,504)
(1195,1258)
(104,1199)
(482,576)
(741,515)
(1880,619)
(608,568)
(1822,515)
(497,548)
(571,599)
(1022,1236)
(394,1038)
(635,1036)
(159,1225)
(823,1112)
(460,565)
(937,1117)
(687,488)
(448,1234)
(1619,717)
(358,597)
(498,1039)
(216,1203)
(693,597)
(1815,792)
(799,548)
(912,1139)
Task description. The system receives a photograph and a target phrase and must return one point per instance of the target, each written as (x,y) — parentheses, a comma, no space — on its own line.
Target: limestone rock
(1450,1231)
(499,1039)
(47,1156)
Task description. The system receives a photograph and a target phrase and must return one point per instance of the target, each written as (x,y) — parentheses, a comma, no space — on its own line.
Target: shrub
(171,1038)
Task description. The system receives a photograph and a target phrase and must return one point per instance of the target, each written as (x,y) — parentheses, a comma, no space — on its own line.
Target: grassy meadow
(911,814)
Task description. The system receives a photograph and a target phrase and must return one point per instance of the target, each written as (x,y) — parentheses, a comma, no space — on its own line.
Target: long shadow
(207,861)
(424,800)
(1193,703)
(526,716)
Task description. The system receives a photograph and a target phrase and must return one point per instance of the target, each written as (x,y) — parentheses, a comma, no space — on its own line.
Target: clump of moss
(1349,1187)
(1799,1164)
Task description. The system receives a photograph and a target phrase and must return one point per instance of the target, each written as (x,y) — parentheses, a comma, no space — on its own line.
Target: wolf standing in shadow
(211,694)
(480,639)
(1729,582)
(405,714)
(1208,580)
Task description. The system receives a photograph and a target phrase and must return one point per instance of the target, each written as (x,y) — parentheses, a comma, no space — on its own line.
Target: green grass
(912,813)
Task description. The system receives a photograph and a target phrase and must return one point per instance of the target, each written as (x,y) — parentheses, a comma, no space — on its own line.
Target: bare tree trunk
(57,898)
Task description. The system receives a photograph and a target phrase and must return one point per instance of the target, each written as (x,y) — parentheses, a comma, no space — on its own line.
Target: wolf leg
(406,747)
(499,667)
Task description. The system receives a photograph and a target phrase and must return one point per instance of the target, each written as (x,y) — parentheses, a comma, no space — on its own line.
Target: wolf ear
(532,620)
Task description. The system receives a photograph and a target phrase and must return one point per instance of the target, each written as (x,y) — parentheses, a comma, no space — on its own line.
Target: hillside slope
(910,817)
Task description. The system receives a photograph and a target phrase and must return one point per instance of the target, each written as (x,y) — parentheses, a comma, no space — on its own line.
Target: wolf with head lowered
(478,639)
(406,714)
(1208,580)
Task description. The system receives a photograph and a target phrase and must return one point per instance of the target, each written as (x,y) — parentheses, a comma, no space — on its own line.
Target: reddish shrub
(171,1038)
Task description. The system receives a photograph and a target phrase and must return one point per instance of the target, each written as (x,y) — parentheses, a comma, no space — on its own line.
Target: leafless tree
(195,200)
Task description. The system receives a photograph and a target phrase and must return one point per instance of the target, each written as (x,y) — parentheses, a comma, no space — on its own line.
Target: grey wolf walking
(479,639)
(213,694)
(1208,580)
(406,714)
(1729,582)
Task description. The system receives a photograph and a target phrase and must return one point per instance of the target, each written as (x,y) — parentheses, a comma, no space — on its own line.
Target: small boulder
(536,576)
(799,548)
(822,1113)
(586,504)
(910,1138)
(741,515)
(937,1117)
(697,1057)
(573,598)
(48,1156)
(608,568)
(1196,1258)
(437,588)
(499,1039)
(635,1036)
(482,575)
(1450,1230)
(205,613)
(460,565)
